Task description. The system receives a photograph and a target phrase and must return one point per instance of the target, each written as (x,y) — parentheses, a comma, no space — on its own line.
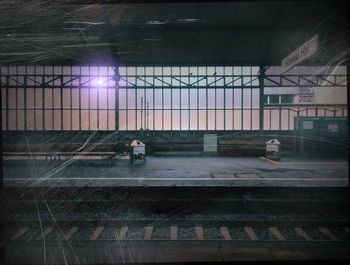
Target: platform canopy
(168,32)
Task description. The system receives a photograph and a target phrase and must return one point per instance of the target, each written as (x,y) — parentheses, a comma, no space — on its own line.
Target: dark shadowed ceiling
(168,32)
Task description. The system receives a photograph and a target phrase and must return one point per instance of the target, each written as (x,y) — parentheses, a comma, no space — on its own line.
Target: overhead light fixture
(188,20)
(151,39)
(73,28)
(85,22)
(155,22)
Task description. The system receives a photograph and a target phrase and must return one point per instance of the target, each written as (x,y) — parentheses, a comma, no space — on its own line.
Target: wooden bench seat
(110,156)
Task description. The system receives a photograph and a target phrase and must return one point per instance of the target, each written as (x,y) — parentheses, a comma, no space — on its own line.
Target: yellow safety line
(268,160)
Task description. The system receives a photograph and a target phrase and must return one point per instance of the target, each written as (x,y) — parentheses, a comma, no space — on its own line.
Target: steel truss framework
(152,97)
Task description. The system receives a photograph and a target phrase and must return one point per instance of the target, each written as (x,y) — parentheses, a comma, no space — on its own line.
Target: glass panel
(66,120)
(85,120)
(220,120)
(220,98)
(202,120)
(202,99)
(84,98)
(12,98)
(93,98)
(284,120)
(211,120)
(131,120)
(122,99)
(211,99)
(4,120)
(255,98)
(3,98)
(167,120)
(12,120)
(93,120)
(158,98)
(237,120)
(193,120)
(275,118)
(228,99)
(176,120)
(158,120)
(131,98)
(246,120)
(102,118)
(66,98)
(228,119)
(56,98)
(48,119)
(30,98)
(176,98)
(111,121)
(122,120)
(102,99)
(57,120)
(237,98)
(20,120)
(111,99)
(184,99)
(39,119)
(167,98)
(193,98)
(246,98)
(184,120)
(75,120)
(255,120)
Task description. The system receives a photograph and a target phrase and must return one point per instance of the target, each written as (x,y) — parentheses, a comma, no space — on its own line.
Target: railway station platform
(178,171)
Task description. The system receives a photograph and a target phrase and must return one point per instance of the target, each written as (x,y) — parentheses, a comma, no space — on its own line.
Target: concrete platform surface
(178,171)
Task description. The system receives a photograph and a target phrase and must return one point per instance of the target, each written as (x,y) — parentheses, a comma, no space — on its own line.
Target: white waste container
(273,149)
(137,151)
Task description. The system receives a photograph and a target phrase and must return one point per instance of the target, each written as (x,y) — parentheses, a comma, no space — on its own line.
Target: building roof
(168,32)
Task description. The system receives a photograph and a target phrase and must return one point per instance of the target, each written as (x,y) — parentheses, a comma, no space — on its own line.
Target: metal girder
(305,80)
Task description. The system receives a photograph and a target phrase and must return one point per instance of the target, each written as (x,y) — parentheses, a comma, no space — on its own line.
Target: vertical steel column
(206,98)
(61,92)
(171,98)
(224,107)
(34,97)
(25,98)
(7,100)
(154,104)
(98,99)
(52,101)
(16,98)
(107,93)
(71,100)
(261,98)
(233,98)
(80,108)
(1,167)
(43,100)
(89,92)
(116,103)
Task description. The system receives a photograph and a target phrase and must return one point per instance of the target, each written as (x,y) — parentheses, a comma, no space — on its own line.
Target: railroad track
(56,244)
(185,230)
(103,227)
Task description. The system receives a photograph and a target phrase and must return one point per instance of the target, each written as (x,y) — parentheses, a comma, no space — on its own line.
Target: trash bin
(137,151)
(273,149)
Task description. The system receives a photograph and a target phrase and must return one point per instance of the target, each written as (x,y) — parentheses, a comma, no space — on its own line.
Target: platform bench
(52,156)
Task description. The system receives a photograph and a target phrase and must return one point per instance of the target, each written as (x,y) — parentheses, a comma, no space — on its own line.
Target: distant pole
(147,114)
(116,100)
(261,98)
(141,111)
